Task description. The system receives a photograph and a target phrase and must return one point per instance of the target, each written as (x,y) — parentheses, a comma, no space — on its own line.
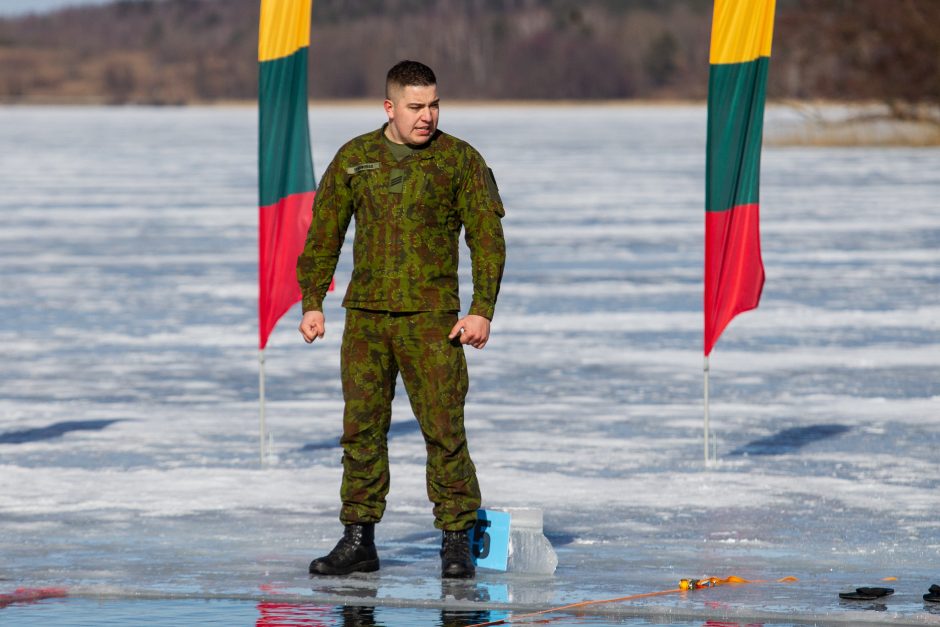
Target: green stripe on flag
(736,94)
(286,165)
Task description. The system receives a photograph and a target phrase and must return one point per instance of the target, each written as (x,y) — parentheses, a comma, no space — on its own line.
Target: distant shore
(809,123)
(835,124)
(362,102)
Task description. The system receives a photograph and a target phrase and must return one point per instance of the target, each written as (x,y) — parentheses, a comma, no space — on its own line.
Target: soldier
(411,189)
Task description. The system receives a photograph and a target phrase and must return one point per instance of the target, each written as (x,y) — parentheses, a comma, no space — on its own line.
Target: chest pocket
(433,197)
(368,193)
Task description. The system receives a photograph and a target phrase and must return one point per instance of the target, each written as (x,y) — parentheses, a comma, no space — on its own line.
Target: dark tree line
(866,50)
(181,51)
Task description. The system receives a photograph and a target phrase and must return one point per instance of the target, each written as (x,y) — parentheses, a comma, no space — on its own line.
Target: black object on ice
(354,553)
(934,595)
(866,593)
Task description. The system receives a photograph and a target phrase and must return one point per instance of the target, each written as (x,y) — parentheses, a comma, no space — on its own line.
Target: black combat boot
(354,553)
(456,562)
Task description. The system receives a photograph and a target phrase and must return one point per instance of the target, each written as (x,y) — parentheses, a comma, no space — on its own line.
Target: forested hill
(183,51)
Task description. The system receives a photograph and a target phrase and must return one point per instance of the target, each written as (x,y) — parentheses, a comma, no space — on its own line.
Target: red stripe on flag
(282,231)
(31,595)
(734,271)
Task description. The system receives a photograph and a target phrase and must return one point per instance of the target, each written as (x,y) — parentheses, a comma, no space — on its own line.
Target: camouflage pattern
(408,219)
(401,304)
(376,347)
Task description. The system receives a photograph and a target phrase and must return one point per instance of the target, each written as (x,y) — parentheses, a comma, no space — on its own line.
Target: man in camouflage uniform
(411,189)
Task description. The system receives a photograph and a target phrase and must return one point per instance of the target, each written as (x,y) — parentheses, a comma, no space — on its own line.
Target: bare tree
(864,50)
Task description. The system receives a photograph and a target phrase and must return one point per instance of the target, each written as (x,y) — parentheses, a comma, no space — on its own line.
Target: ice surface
(128,389)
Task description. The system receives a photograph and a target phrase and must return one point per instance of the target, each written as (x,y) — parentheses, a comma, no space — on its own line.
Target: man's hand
(312,326)
(473,330)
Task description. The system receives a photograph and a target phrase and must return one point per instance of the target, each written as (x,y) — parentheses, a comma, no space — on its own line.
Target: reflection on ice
(55,430)
(790,440)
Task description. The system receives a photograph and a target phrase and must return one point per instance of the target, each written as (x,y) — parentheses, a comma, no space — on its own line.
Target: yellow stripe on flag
(741,30)
(284,28)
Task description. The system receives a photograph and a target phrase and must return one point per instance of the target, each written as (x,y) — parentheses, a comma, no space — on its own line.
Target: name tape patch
(362,167)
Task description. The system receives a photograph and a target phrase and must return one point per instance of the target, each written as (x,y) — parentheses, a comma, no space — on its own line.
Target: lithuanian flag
(742,31)
(286,184)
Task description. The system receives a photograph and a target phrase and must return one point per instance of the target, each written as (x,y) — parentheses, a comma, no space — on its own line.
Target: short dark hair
(409,73)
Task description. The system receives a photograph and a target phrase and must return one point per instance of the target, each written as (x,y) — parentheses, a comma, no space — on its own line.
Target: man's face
(412,114)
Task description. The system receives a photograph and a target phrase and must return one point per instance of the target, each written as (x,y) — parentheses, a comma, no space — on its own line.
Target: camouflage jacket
(408,219)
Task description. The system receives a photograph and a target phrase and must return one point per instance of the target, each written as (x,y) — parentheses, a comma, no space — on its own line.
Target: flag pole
(706,410)
(262,429)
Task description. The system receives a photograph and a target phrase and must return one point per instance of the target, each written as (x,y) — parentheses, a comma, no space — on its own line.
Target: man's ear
(389,107)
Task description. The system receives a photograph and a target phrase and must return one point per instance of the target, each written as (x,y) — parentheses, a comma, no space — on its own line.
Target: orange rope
(684,585)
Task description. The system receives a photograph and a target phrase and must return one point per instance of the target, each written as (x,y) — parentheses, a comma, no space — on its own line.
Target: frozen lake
(128,389)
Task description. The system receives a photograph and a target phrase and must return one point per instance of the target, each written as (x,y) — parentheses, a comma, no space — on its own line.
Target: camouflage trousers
(377,346)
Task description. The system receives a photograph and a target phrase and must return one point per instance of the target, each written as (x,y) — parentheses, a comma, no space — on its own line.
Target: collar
(382,152)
